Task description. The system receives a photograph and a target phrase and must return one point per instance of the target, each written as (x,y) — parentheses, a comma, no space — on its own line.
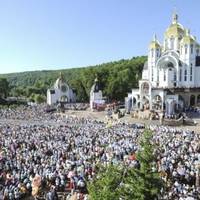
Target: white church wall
(176,44)
(51,98)
(54,98)
(145,74)
(160,77)
(129,94)
(183,50)
(97,95)
(48,97)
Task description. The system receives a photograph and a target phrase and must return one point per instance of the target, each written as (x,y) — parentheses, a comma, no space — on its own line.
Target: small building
(171,76)
(96,96)
(60,92)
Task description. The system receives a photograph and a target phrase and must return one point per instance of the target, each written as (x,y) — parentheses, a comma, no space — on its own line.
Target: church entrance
(157,103)
(192,100)
(170,107)
(64,99)
(181,103)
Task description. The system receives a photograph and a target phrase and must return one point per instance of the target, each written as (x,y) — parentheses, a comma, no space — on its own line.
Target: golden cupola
(154,44)
(187,39)
(175,29)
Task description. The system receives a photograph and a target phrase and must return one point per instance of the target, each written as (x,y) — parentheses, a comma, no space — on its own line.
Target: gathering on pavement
(42,160)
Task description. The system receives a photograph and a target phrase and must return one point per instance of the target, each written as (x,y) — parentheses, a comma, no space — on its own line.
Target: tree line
(116,78)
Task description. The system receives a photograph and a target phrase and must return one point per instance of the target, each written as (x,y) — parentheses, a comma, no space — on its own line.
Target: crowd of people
(41,160)
(35,112)
(178,160)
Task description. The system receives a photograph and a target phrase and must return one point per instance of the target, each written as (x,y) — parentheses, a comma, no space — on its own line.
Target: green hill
(117,78)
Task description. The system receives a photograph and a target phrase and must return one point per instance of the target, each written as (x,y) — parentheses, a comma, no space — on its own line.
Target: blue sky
(55,34)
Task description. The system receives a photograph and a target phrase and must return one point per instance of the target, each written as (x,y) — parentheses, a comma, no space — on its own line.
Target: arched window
(185,75)
(170,65)
(186,49)
(172,43)
(134,101)
(164,77)
(174,75)
(180,75)
(152,75)
(191,72)
(157,52)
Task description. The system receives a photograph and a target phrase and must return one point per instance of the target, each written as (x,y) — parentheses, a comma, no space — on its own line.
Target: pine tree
(143,183)
(105,185)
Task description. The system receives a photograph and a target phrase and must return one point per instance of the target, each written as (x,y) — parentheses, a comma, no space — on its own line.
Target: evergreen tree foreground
(129,183)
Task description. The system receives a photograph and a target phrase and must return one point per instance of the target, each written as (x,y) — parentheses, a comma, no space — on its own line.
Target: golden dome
(175,29)
(187,39)
(154,44)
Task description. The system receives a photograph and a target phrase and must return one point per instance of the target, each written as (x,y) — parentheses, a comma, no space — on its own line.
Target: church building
(60,92)
(96,96)
(171,76)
